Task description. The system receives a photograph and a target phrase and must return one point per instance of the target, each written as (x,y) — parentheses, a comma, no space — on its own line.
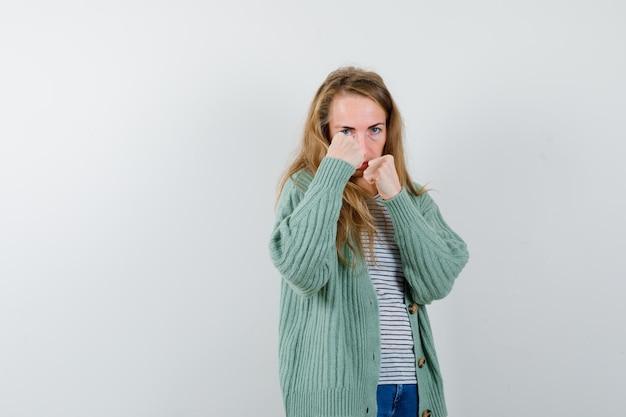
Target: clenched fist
(346,148)
(381,173)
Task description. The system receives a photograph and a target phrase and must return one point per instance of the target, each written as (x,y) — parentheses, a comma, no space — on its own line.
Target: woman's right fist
(347,148)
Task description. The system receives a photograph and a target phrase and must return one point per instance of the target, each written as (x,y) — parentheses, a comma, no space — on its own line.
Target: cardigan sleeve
(303,242)
(432,254)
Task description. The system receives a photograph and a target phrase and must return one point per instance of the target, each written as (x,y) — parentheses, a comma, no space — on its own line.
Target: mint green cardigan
(329,337)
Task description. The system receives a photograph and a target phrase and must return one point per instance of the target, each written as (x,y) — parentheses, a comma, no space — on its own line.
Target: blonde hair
(354,217)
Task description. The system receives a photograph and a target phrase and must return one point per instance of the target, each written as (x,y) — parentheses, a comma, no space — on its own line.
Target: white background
(141,143)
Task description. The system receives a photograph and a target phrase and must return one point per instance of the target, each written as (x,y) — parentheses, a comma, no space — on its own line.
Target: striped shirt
(385,269)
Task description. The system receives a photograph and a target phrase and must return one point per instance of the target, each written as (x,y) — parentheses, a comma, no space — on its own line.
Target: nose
(360,138)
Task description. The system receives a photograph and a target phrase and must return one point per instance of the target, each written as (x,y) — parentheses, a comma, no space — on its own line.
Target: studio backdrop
(141,145)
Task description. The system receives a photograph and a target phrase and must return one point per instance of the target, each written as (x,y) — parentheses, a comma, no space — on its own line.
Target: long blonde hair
(354,217)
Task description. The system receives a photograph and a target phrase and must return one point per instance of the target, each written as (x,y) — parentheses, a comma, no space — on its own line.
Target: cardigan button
(427,413)
(413,308)
(421,362)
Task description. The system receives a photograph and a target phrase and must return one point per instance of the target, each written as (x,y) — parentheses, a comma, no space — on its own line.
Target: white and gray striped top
(385,269)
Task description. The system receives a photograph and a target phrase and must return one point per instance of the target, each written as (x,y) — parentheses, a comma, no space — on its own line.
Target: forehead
(355,108)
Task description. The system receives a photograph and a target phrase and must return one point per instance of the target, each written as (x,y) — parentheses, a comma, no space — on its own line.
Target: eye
(345,131)
(376,129)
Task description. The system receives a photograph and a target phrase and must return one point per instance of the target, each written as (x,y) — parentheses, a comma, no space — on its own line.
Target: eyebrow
(350,127)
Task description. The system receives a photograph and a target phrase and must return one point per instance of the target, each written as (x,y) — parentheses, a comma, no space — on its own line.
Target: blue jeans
(397,400)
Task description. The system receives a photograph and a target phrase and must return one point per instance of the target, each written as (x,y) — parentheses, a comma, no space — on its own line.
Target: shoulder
(331,173)
(301,180)
(422,199)
(293,188)
(297,183)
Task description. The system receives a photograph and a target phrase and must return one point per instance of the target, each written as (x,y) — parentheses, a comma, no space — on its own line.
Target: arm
(304,237)
(432,254)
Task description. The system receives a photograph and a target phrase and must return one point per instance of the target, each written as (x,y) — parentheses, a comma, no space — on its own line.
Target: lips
(365,165)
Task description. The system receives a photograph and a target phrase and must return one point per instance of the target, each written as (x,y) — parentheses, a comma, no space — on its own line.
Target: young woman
(361,250)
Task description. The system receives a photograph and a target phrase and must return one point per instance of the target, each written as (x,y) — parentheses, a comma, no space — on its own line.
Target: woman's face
(363,119)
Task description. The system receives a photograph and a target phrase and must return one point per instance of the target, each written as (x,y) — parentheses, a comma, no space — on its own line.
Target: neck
(366,186)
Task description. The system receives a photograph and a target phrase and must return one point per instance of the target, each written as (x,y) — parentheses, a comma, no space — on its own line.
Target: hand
(381,172)
(346,148)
